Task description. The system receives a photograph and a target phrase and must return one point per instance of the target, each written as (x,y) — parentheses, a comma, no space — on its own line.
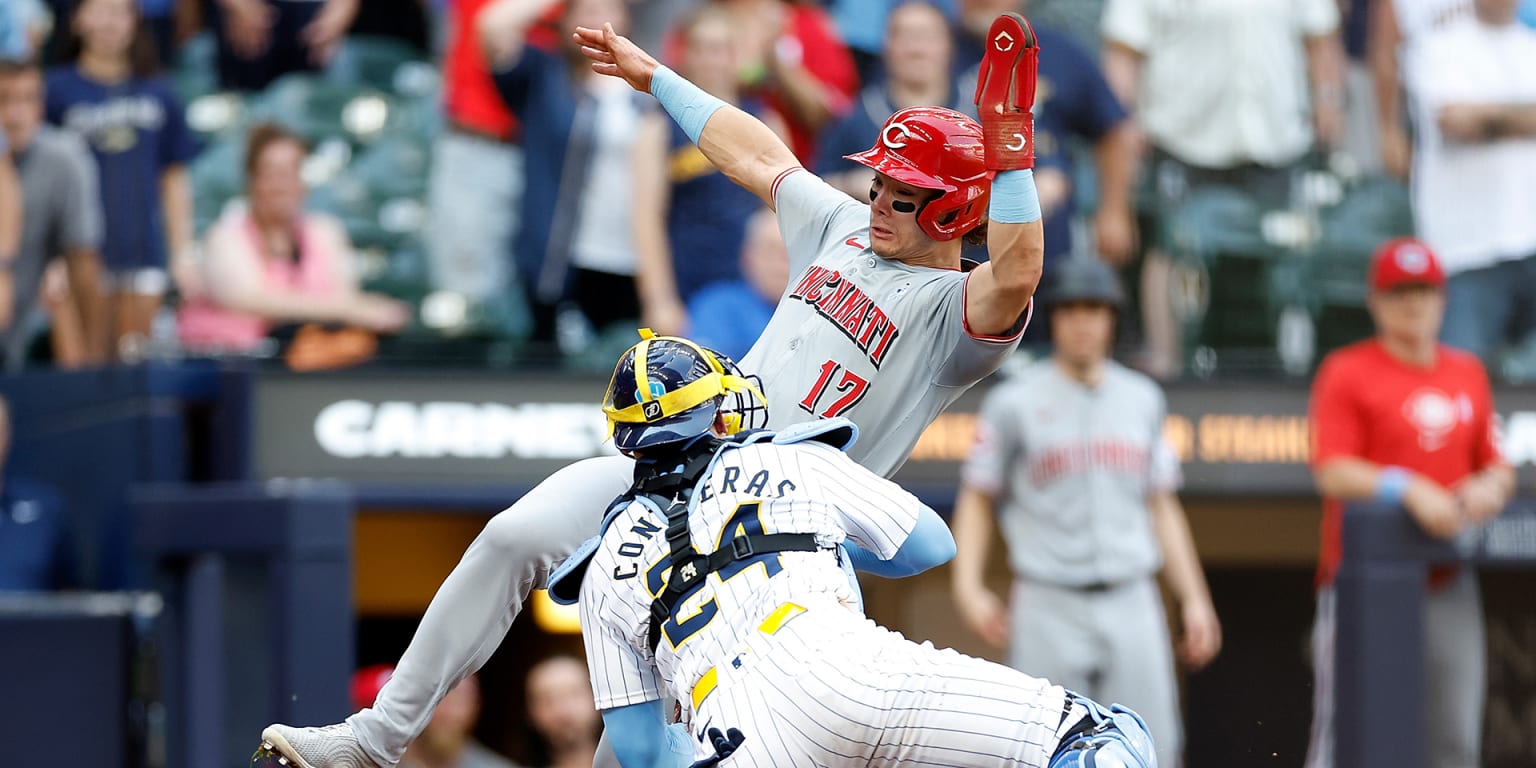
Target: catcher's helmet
(666,389)
(939,149)
(1083,279)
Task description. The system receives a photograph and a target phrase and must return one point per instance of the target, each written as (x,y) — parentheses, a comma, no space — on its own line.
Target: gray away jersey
(869,339)
(806,487)
(1070,468)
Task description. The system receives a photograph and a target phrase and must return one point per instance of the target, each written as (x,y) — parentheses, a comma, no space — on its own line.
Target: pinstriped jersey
(805,487)
(855,335)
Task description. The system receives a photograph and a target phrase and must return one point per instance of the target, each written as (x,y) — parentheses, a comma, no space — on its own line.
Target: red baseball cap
(367,682)
(1403,261)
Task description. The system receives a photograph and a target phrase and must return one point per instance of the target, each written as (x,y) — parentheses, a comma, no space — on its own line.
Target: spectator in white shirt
(1473,99)
(1220,88)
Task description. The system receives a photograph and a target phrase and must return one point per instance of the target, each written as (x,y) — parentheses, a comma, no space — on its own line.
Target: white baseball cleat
(330,746)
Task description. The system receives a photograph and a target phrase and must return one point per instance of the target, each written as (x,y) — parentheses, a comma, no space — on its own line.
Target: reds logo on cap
(1412,259)
(902,134)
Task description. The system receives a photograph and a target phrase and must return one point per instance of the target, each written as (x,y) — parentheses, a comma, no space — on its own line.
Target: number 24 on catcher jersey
(758,488)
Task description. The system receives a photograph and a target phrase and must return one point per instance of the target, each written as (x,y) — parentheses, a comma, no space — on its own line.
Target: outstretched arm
(741,146)
(998,292)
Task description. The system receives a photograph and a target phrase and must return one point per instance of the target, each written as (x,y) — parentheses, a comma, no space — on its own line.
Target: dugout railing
(1379,714)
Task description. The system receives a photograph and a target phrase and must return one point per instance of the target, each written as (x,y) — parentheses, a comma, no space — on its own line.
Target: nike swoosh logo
(853,241)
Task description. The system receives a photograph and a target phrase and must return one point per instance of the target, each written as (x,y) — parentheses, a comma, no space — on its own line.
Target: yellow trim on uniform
(770,625)
(705,687)
(780,617)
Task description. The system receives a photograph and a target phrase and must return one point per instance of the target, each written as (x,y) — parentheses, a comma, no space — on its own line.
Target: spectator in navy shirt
(689,218)
(1072,101)
(110,96)
(731,315)
(34,553)
(261,40)
(575,250)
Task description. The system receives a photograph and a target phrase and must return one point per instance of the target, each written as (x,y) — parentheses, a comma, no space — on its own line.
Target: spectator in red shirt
(1403,419)
(476,187)
(793,57)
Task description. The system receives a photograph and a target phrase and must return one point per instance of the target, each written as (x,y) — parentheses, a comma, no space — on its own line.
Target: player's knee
(515,533)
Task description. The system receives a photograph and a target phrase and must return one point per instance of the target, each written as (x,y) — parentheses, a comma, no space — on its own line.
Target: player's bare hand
(1433,508)
(1201,640)
(986,615)
(1479,500)
(614,55)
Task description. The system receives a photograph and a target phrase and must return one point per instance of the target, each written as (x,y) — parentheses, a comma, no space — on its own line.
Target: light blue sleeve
(930,544)
(641,738)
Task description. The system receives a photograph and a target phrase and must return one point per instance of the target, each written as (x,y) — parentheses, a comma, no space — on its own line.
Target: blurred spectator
(1220,88)
(689,218)
(730,315)
(1080,19)
(476,186)
(34,544)
(1403,420)
(10,231)
(110,96)
(24,26)
(918,72)
(275,264)
(561,710)
(1472,86)
(792,56)
(62,224)
(1071,463)
(574,245)
(447,741)
(1073,102)
(1395,27)
(261,40)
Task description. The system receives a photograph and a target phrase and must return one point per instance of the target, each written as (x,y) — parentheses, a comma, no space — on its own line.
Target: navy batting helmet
(1083,279)
(666,389)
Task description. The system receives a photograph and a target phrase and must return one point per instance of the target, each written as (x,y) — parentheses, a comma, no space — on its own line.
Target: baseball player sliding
(717,581)
(879,326)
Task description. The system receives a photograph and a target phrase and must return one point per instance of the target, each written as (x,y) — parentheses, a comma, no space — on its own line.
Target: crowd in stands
(325,183)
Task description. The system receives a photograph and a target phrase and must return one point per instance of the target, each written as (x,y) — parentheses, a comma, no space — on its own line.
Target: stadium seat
(375,62)
(217,175)
(395,165)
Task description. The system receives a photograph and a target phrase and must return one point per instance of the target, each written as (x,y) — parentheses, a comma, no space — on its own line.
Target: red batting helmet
(939,149)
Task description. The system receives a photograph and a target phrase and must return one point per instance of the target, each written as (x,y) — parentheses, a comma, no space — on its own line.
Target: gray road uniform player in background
(1071,461)
(878,325)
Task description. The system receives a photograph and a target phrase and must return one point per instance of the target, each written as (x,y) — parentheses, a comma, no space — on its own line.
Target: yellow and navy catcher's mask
(667,389)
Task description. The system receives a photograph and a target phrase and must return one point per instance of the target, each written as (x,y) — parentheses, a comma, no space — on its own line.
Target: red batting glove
(1005,93)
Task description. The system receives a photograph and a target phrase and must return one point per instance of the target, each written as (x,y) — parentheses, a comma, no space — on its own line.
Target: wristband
(1014,199)
(1391,484)
(687,103)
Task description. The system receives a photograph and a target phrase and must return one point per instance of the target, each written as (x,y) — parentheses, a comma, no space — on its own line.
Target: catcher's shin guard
(1005,93)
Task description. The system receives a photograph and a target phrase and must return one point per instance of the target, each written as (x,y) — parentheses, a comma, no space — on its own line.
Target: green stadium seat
(396,165)
(366,61)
